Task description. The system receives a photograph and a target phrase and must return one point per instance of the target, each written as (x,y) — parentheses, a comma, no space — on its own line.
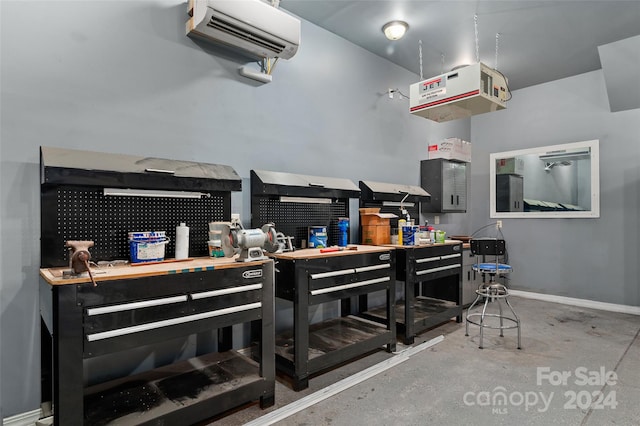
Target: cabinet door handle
(451,199)
(349,286)
(332,274)
(457,200)
(450,256)
(438,269)
(225,291)
(171,321)
(468,275)
(135,305)
(373,267)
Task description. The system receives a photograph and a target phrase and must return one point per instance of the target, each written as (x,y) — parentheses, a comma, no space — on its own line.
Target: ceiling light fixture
(394,30)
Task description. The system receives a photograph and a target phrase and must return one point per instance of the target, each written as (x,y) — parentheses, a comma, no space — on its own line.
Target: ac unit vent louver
(229,28)
(256,27)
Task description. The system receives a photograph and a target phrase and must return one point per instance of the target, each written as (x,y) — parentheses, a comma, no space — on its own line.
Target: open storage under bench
(432,287)
(307,278)
(133,306)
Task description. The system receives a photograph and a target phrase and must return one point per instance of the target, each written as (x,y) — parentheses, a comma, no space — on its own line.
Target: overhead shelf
(76,167)
(380,191)
(297,185)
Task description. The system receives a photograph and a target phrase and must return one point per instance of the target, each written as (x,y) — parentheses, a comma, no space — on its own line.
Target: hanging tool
(285,243)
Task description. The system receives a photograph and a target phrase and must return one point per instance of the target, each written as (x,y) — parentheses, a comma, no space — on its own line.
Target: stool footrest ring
(503,327)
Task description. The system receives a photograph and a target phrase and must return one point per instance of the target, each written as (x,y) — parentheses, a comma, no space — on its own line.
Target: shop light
(395,30)
(285,199)
(397,204)
(124,192)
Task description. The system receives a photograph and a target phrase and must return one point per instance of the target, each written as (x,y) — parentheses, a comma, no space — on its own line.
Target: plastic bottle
(343,227)
(182,241)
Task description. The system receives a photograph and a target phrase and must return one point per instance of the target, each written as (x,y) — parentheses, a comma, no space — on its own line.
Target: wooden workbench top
(315,252)
(54,275)
(446,243)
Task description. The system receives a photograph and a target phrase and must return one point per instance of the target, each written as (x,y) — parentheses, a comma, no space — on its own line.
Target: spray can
(182,241)
(401,225)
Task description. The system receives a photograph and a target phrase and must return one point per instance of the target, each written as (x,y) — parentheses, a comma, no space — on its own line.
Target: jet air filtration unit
(463,92)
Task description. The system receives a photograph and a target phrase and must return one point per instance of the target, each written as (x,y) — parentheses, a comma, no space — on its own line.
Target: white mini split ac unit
(474,89)
(254,26)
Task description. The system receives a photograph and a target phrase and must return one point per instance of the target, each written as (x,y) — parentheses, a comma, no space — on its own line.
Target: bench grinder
(247,242)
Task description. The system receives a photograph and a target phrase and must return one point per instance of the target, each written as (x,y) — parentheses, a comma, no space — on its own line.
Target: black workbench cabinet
(431,276)
(82,322)
(307,279)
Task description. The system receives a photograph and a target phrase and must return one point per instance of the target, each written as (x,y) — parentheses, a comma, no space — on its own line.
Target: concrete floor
(455,383)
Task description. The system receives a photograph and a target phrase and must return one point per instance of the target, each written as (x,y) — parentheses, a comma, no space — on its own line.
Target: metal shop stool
(492,290)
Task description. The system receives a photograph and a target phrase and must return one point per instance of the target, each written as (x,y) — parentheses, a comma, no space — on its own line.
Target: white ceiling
(539,41)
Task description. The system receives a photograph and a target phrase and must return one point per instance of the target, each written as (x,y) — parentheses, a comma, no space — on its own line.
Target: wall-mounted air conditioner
(254,26)
(474,89)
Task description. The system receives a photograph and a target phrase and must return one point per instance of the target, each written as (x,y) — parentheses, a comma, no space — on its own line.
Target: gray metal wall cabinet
(509,193)
(446,181)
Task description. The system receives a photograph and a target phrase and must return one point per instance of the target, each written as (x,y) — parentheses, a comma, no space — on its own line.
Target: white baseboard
(583,303)
(23,419)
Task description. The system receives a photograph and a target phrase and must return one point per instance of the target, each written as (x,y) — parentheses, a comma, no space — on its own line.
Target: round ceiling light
(394,30)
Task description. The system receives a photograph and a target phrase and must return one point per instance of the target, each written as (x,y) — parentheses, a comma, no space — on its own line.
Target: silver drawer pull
(169,322)
(348,286)
(441,268)
(428,259)
(135,305)
(373,267)
(450,256)
(332,274)
(222,292)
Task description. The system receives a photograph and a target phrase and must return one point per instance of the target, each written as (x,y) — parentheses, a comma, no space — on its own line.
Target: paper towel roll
(182,241)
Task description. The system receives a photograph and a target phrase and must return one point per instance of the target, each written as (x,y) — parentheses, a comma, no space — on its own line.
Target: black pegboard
(294,219)
(85,213)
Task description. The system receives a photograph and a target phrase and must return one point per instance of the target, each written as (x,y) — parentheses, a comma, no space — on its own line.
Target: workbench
(432,281)
(134,306)
(307,278)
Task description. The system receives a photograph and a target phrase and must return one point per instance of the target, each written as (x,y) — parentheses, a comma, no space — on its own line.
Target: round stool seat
(492,268)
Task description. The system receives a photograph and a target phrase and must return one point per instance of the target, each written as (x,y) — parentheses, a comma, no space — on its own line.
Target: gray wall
(594,259)
(122,77)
